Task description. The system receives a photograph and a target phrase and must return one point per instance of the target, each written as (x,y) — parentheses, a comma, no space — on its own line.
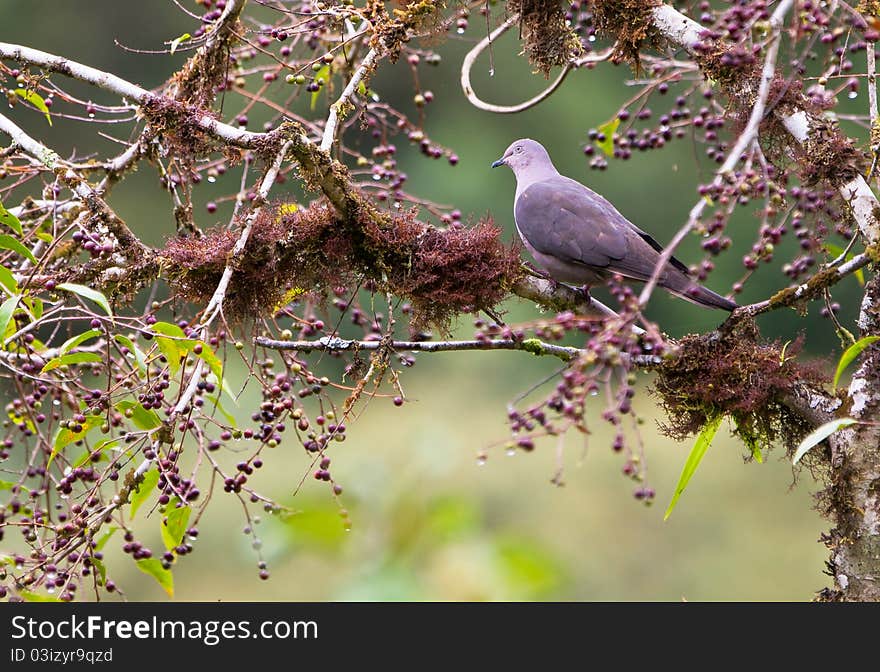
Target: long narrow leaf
(818,435)
(154,568)
(704,440)
(72,358)
(8,281)
(849,355)
(9,243)
(88,293)
(10,220)
(36,100)
(74,341)
(144,490)
(7,308)
(174,525)
(136,352)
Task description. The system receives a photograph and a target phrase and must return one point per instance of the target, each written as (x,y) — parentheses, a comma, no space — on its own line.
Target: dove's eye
(517,149)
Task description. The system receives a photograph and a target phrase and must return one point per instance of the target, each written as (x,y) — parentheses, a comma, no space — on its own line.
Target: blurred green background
(429,522)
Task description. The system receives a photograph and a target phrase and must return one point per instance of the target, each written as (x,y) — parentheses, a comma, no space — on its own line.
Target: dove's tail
(689,290)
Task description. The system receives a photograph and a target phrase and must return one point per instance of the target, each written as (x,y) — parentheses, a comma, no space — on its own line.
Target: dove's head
(524,156)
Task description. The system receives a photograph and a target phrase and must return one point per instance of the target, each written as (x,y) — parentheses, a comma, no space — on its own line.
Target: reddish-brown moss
(442,272)
(735,374)
(546,39)
(177,124)
(630,24)
(395,28)
(828,155)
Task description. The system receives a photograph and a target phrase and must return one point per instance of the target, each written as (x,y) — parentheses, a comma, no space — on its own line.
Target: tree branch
(808,290)
(337,107)
(471,57)
(96,205)
(334,344)
(685,32)
(746,138)
(534,346)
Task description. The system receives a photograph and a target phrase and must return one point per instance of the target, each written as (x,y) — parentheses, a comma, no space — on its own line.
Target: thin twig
(803,291)
(746,138)
(469,60)
(683,31)
(532,345)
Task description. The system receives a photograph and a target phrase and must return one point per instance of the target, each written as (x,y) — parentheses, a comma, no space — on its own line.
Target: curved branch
(474,54)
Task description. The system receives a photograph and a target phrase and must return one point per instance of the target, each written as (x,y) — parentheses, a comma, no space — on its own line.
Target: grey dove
(578,237)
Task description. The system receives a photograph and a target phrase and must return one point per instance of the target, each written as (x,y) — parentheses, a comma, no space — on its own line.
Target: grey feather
(577,236)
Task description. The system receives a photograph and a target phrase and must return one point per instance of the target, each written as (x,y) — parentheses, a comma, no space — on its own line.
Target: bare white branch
(336,108)
(685,32)
(745,140)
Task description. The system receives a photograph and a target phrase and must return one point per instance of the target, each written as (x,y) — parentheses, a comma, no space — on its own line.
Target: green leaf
(7,308)
(362,88)
(211,359)
(173,353)
(102,571)
(74,341)
(836,251)
(7,242)
(215,401)
(819,434)
(6,485)
(88,293)
(144,490)
(72,358)
(36,306)
(65,436)
(99,447)
(8,281)
(849,355)
(608,129)
(10,220)
(141,417)
(168,329)
(175,346)
(704,440)
(177,40)
(30,596)
(36,100)
(154,568)
(105,538)
(174,525)
(139,355)
(323,73)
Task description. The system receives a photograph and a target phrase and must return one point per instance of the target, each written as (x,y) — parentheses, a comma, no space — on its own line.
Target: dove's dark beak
(499,162)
